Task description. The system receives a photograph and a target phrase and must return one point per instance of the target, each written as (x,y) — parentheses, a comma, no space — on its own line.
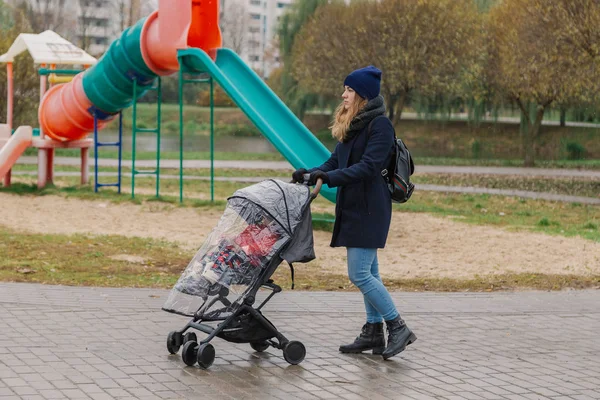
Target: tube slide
(13,146)
(144,51)
(185,30)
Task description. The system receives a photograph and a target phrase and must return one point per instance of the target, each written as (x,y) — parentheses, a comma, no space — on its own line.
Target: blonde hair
(343,117)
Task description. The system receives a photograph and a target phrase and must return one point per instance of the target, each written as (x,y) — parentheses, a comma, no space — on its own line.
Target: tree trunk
(530,134)
(528,147)
(563,117)
(399,107)
(391,106)
(134,11)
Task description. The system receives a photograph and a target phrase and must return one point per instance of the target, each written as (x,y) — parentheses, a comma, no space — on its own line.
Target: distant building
(249,27)
(89,24)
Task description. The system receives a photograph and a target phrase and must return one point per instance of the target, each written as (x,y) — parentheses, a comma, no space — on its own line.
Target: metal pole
(120,147)
(159,99)
(42,153)
(133,135)
(95,152)
(212,144)
(180,136)
(52,68)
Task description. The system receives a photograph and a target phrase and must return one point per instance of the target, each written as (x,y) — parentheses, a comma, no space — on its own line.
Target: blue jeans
(363,271)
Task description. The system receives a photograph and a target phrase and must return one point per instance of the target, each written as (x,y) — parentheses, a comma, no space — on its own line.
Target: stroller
(263,225)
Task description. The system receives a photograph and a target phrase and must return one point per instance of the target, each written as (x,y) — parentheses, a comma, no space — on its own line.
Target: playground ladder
(100,115)
(182,81)
(136,130)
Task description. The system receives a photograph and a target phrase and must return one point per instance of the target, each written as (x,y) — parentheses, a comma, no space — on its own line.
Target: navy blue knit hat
(365,82)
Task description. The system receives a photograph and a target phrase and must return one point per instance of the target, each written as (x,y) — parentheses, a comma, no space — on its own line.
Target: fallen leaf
(26,271)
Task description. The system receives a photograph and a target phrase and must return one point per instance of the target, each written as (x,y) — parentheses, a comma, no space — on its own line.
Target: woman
(363,206)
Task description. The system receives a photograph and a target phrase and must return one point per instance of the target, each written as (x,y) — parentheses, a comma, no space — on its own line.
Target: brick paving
(61,342)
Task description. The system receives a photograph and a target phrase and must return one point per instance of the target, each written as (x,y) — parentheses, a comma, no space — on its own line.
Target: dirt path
(419,245)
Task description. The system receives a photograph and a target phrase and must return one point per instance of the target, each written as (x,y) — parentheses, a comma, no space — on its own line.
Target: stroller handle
(316,190)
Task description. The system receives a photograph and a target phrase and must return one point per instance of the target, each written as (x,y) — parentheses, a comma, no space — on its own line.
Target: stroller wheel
(259,346)
(294,352)
(188,354)
(206,355)
(189,337)
(172,343)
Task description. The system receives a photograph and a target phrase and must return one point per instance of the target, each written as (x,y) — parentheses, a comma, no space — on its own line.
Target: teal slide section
(109,83)
(262,106)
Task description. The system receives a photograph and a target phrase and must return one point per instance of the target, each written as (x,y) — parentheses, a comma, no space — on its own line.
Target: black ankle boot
(371,338)
(399,336)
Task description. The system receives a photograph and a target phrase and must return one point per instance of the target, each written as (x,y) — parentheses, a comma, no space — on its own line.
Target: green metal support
(182,82)
(212,143)
(180,135)
(136,130)
(47,71)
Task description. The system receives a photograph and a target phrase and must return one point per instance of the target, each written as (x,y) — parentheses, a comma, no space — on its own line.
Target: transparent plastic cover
(258,222)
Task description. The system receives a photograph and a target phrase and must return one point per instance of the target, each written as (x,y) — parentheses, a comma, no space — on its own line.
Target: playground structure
(47,49)
(183,37)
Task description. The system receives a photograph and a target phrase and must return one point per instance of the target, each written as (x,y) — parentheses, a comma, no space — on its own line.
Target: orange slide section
(177,25)
(11,147)
(64,114)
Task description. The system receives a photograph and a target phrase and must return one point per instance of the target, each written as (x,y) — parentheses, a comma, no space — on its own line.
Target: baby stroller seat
(263,225)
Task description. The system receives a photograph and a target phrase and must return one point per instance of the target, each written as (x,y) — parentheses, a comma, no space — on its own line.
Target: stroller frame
(203,352)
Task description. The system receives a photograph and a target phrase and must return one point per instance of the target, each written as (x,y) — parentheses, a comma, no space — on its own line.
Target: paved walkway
(99,343)
(284,165)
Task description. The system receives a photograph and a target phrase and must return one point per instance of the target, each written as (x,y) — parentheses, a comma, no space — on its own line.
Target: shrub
(575,151)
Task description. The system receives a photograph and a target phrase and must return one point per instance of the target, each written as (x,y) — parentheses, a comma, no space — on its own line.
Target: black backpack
(397,174)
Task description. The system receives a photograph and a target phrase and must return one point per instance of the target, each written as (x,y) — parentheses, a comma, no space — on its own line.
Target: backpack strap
(384,172)
(371,123)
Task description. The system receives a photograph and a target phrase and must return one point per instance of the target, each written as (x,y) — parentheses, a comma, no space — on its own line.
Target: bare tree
(134,12)
(86,23)
(44,14)
(130,11)
(234,26)
(147,6)
(121,8)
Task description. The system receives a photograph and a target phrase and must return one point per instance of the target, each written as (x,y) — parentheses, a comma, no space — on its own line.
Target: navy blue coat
(363,205)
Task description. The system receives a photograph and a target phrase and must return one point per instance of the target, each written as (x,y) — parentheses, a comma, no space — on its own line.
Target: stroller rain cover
(261,226)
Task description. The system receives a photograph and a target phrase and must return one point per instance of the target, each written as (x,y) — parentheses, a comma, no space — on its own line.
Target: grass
(102,260)
(572,186)
(86,260)
(513,213)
